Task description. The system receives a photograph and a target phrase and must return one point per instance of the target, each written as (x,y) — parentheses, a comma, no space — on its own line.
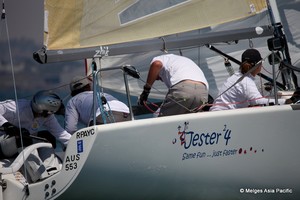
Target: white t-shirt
(178,68)
(241,95)
(8,113)
(80,109)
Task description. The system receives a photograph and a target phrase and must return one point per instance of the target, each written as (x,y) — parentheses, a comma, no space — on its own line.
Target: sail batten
(82,23)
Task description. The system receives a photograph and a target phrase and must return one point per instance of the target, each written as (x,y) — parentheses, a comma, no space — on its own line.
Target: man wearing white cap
(80,106)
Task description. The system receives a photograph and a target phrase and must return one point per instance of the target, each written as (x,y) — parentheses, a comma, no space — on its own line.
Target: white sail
(77,24)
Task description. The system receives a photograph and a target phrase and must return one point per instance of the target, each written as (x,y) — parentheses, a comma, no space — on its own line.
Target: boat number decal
(71,162)
(189,139)
(85,133)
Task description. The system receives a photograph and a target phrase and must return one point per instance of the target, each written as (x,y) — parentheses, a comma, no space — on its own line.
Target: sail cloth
(211,63)
(88,23)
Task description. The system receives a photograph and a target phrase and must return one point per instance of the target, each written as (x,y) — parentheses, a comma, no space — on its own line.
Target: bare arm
(153,73)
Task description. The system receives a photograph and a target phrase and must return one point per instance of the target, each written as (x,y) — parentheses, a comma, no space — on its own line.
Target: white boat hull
(236,154)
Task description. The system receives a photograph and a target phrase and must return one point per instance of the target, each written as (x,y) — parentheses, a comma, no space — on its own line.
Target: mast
(279,44)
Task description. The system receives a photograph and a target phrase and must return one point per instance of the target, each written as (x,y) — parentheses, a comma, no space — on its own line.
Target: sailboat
(249,153)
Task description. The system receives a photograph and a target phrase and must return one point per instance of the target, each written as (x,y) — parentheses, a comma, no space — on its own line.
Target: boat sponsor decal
(79,146)
(85,133)
(219,153)
(190,140)
(71,162)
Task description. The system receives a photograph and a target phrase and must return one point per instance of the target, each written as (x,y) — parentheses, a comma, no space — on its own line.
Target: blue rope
(103,111)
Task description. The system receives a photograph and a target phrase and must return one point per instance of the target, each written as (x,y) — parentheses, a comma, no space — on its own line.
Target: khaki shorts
(184,97)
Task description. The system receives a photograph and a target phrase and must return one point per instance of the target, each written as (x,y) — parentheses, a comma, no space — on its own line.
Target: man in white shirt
(188,87)
(244,93)
(33,114)
(80,107)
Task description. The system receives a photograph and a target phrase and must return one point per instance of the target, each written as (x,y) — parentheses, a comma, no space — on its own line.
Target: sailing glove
(10,129)
(296,96)
(14,131)
(144,96)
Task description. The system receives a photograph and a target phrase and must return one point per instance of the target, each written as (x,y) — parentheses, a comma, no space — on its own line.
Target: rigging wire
(4,17)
